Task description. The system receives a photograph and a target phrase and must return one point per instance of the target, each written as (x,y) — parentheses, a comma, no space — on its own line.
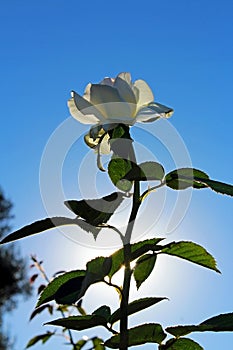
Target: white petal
(124,90)
(164,111)
(126,76)
(108,101)
(104,94)
(87,92)
(153,112)
(107,81)
(145,94)
(82,110)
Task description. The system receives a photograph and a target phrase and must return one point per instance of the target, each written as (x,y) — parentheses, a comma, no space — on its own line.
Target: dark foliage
(13,281)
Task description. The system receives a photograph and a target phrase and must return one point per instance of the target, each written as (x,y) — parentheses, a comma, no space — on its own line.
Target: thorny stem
(44,275)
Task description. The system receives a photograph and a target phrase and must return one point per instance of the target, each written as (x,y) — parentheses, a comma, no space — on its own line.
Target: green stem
(127,258)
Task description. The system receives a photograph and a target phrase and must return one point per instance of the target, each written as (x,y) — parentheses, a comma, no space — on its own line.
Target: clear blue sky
(184,50)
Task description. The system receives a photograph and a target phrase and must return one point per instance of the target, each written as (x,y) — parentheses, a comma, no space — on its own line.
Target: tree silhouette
(13,281)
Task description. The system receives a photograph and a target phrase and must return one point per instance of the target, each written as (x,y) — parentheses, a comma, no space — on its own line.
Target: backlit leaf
(38,310)
(147,171)
(220,323)
(135,306)
(117,169)
(63,288)
(103,311)
(192,252)
(137,249)
(96,211)
(217,186)
(143,268)
(181,344)
(147,333)
(38,227)
(79,323)
(183,178)
(98,343)
(42,337)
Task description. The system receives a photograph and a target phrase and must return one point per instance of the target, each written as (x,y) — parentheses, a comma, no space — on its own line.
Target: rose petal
(107,81)
(125,90)
(145,94)
(82,110)
(164,111)
(125,76)
(104,94)
(153,112)
(108,101)
(87,92)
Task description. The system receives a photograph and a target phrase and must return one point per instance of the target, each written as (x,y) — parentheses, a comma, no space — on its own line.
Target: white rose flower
(111,102)
(117,100)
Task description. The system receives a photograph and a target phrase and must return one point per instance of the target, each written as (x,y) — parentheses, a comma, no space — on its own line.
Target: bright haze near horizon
(184,51)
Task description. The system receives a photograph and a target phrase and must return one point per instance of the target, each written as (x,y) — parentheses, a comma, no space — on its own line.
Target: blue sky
(184,51)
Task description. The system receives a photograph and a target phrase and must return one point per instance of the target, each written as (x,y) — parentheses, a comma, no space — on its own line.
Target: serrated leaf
(38,227)
(147,333)
(99,266)
(181,344)
(42,337)
(97,269)
(63,287)
(147,171)
(183,178)
(220,323)
(137,249)
(96,211)
(117,169)
(143,268)
(192,252)
(103,311)
(79,323)
(217,186)
(135,306)
(38,310)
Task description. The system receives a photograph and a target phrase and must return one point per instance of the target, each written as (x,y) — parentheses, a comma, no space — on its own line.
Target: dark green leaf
(147,171)
(97,269)
(143,268)
(217,186)
(220,323)
(80,344)
(192,252)
(98,343)
(135,306)
(96,211)
(65,286)
(37,227)
(117,169)
(137,249)
(38,310)
(103,311)
(183,178)
(79,323)
(41,337)
(100,266)
(147,333)
(181,344)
